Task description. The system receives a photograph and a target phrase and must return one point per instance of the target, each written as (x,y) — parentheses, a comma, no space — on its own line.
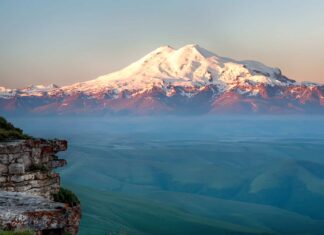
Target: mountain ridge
(190,79)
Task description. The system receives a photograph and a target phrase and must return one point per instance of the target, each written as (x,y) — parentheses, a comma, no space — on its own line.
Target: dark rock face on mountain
(28,186)
(189,80)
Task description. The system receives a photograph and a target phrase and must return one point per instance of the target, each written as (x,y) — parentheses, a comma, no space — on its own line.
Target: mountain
(189,80)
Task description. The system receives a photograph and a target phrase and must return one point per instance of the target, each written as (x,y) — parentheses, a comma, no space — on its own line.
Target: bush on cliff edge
(66,196)
(10,132)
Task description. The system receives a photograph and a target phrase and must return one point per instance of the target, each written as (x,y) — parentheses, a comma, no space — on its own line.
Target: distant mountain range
(189,80)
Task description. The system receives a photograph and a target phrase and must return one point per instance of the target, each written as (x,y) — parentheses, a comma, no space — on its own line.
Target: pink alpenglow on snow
(187,80)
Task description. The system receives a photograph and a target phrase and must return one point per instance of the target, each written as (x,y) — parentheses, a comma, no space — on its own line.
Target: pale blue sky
(66,41)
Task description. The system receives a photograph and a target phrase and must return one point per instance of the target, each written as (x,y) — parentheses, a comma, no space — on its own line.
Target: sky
(68,41)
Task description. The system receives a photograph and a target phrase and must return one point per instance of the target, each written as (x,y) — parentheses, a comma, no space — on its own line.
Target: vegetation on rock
(10,132)
(16,233)
(66,196)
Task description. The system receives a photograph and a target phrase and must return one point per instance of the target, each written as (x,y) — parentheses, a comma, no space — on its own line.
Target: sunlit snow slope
(167,80)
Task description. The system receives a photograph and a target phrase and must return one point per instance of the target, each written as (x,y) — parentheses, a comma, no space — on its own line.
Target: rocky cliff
(28,187)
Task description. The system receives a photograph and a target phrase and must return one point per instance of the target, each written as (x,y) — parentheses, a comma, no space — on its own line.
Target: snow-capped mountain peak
(7,93)
(190,66)
(40,88)
(32,90)
(189,79)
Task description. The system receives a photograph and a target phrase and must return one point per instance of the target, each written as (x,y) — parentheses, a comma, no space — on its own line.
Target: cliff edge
(30,193)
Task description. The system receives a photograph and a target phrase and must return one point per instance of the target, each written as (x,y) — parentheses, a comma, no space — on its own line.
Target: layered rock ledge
(27,186)
(20,211)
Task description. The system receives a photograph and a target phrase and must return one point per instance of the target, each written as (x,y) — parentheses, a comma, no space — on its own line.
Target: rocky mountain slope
(174,81)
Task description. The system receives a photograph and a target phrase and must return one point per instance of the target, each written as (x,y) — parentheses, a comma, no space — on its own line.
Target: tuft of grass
(27,232)
(10,132)
(66,196)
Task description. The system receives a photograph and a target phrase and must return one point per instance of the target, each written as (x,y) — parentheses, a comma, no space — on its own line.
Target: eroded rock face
(26,166)
(19,211)
(27,185)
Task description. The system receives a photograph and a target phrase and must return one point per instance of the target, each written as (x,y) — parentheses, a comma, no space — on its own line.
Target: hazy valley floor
(209,175)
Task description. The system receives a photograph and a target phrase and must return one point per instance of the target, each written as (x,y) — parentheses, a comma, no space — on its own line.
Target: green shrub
(66,196)
(10,132)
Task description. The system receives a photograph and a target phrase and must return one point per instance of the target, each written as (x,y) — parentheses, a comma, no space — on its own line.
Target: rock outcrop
(27,186)
(20,211)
